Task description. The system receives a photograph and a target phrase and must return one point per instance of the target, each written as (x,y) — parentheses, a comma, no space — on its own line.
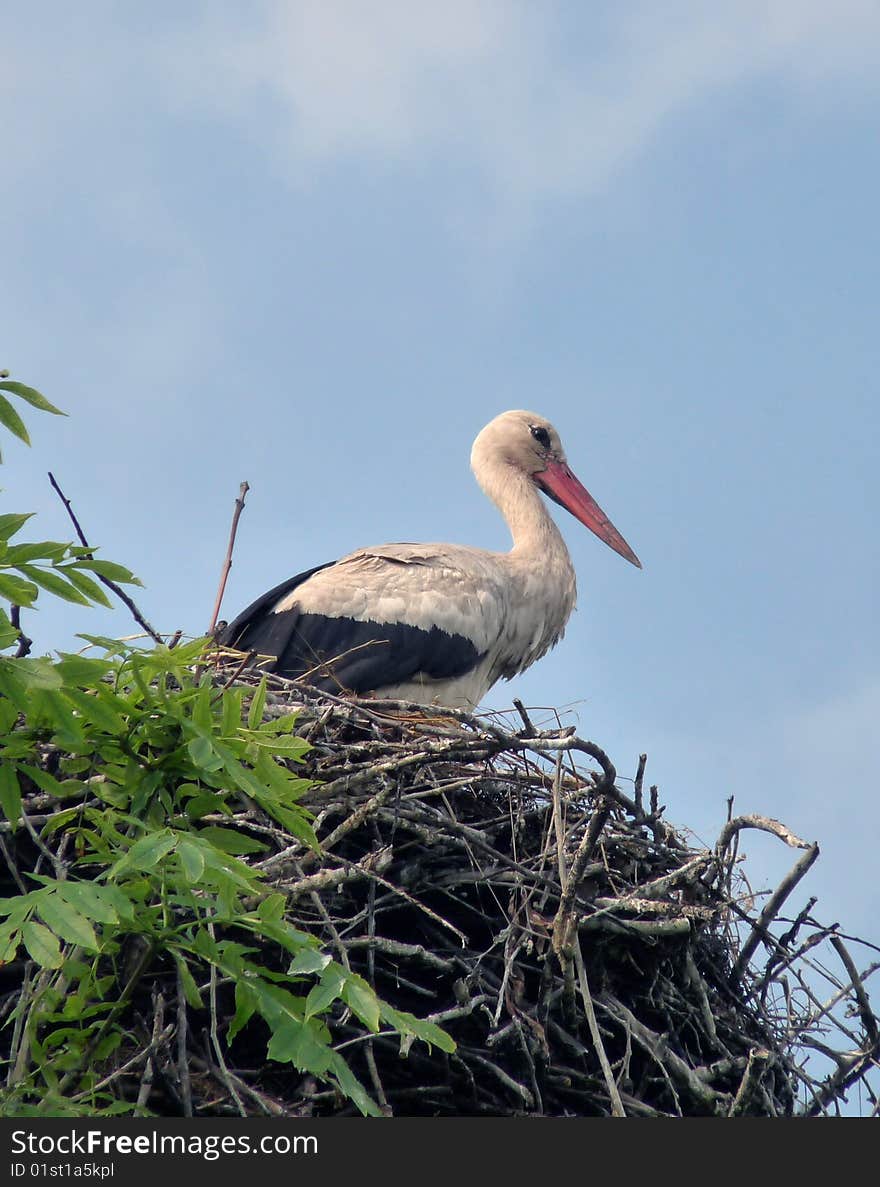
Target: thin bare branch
(227,561)
(124,597)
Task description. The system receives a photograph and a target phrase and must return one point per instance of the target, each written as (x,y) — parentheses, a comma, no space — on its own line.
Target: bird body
(438,623)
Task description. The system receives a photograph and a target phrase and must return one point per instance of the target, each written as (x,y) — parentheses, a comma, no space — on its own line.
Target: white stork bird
(439,623)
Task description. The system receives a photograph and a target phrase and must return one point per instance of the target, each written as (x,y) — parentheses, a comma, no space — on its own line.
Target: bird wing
(378,617)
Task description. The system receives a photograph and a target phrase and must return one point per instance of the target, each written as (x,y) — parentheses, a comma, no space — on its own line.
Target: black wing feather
(341,653)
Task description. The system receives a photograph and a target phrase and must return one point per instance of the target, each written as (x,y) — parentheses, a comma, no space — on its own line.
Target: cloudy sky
(317,245)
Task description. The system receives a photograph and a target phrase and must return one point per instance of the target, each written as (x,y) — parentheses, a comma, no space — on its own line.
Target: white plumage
(439,623)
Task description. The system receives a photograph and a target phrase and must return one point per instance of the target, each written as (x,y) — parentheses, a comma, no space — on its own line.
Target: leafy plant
(138,760)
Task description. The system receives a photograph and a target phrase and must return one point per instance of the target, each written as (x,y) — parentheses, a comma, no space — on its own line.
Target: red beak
(560,484)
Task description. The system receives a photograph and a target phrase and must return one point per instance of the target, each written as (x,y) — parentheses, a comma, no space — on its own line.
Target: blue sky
(318,245)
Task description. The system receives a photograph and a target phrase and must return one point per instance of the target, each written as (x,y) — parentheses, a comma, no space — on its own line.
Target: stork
(439,623)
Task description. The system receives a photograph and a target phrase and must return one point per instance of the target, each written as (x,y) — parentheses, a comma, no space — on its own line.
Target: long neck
(519,501)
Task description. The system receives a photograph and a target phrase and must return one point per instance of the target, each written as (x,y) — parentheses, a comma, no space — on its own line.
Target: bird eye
(541,435)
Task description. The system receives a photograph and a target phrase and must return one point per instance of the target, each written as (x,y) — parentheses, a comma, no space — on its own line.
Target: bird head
(530,444)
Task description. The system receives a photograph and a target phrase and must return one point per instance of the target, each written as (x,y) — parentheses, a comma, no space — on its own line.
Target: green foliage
(140,760)
(64,570)
(9,416)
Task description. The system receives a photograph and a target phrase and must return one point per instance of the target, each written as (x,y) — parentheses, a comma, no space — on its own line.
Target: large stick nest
(586,959)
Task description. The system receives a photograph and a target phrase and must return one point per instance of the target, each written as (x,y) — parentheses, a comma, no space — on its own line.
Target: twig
(215,1038)
(156,1042)
(25,643)
(563,925)
(865,1012)
(149,1072)
(512,1085)
(766,824)
(759,1059)
(11,866)
(558,823)
(18,1027)
(473,818)
(662,1054)
(848,1071)
(58,867)
(398,948)
(640,775)
(375,1078)
(111,585)
(330,879)
(783,890)
(529,729)
(266,1104)
(182,1060)
(227,563)
(617,1109)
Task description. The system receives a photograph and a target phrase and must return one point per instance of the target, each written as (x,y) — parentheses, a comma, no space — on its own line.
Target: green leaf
(204,803)
(326,991)
(230,841)
(17,590)
(202,752)
(308,961)
(42,945)
(82,669)
(104,1048)
(11,687)
(282,747)
(233,873)
(294,821)
(65,921)
(93,900)
(190,989)
(94,709)
(147,852)
(245,1005)
(406,1023)
(33,674)
(10,418)
(8,633)
(110,570)
(257,705)
(33,397)
(116,898)
(192,859)
(110,646)
(42,550)
(10,938)
(352,1087)
(43,780)
(276,1004)
(12,523)
(272,907)
(299,1043)
(8,716)
(231,711)
(202,712)
(357,994)
(86,586)
(283,933)
(17,909)
(10,792)
(54,583)
(242,777)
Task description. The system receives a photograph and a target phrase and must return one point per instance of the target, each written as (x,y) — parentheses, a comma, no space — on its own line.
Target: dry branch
(125,598)
(493,877)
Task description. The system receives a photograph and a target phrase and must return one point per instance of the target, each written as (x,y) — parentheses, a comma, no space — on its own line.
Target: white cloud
(525,101)
(533,98)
